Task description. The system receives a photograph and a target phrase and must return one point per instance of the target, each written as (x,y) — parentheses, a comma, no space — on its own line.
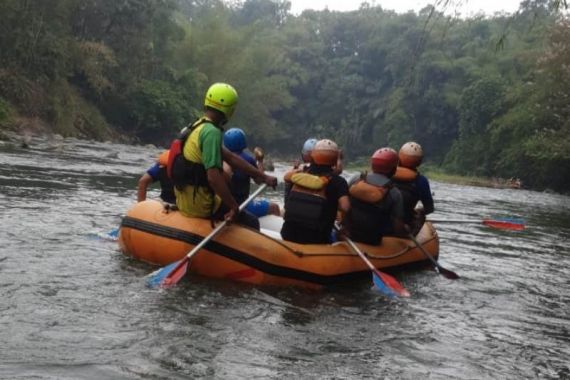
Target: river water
(73,307)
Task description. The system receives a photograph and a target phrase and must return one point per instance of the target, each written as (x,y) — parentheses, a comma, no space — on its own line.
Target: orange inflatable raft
(151,234)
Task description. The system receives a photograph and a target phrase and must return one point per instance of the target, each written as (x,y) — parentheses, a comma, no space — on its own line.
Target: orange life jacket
(405,181)
(368,193)
(404,174)
(369,216)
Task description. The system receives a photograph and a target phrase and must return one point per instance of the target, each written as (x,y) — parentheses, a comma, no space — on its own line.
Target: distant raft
(150,233)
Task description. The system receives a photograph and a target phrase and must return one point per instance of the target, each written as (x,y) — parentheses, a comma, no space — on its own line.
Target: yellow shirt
(204,145)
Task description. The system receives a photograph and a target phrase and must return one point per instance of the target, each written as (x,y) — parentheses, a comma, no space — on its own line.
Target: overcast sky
(465,7)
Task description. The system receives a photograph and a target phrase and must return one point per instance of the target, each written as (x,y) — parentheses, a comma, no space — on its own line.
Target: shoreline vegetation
(484,96)
(438,175)
(435,173)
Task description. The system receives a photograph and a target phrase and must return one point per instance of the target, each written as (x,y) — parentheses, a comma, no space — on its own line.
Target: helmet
(163,158)
(325,152)
(411,155)
(222,97)
(308,146)
(234,140)
(384,161)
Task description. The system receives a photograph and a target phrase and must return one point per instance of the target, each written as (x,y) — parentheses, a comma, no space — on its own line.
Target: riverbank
(436,174)
(439,175)
(22,135)
(20,130)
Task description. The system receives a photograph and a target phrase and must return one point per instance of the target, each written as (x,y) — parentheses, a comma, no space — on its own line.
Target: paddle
(501,224)
(438,268)
(383,281)
(172,273)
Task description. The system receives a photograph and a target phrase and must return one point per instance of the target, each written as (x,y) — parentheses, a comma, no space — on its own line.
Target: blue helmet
(234,140)
(308,146)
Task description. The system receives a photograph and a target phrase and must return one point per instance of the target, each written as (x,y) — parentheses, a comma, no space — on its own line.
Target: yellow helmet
(222,97)
(411,155)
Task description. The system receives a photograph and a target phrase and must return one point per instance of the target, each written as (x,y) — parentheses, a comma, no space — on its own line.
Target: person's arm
(338,168)
(425,195)
(344,209)
(236,162)
(397,213)
(259,156)
(144,182)
(260,165)
(344,205)
(218,184)
(212,154)
(228,173)
(342,194)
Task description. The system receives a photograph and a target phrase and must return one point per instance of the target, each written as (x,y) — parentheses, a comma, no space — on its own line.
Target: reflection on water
(73,307)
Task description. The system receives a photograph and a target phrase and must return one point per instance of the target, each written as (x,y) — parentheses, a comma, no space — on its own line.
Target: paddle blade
(112,235)
(393,284)
(169,275)
(447,273)
(381,286)
(507,224)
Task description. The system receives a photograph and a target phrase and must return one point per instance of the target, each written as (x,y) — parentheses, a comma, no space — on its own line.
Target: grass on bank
(435,173)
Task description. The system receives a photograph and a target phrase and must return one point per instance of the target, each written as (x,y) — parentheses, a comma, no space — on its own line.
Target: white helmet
(325,152)
(411,155)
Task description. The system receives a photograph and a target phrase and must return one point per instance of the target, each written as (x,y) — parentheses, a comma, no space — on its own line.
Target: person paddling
(376,205)
(315,197)
(413,186)
(155,173)
(195,163)
(303,165)
(235,141)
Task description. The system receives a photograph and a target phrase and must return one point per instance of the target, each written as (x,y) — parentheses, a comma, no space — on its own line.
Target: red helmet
(411,155)
(384,161)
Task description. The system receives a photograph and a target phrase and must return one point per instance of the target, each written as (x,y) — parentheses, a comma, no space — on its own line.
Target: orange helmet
(411,155)
(384,161)
(163,158)
(325,152)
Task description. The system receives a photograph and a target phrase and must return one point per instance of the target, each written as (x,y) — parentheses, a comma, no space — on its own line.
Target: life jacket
(405,174)
(405,181)
(306,204)
(166,186)
(367,192)
(181,171)
(369,216)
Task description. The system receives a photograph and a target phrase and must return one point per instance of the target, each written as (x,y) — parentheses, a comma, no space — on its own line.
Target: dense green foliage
(484,96)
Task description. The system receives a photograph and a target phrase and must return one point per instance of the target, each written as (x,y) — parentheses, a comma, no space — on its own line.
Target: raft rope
(178,235)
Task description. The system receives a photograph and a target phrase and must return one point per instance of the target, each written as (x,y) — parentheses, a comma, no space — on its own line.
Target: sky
(465,7)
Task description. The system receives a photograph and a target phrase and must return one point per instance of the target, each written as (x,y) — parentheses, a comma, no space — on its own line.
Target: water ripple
(73,307)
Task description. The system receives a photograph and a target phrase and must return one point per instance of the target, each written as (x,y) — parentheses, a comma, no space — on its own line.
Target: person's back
(315,197)
(196,163)
(240,182)
(376,205)
(194,196)
(235,141)
(413,186)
